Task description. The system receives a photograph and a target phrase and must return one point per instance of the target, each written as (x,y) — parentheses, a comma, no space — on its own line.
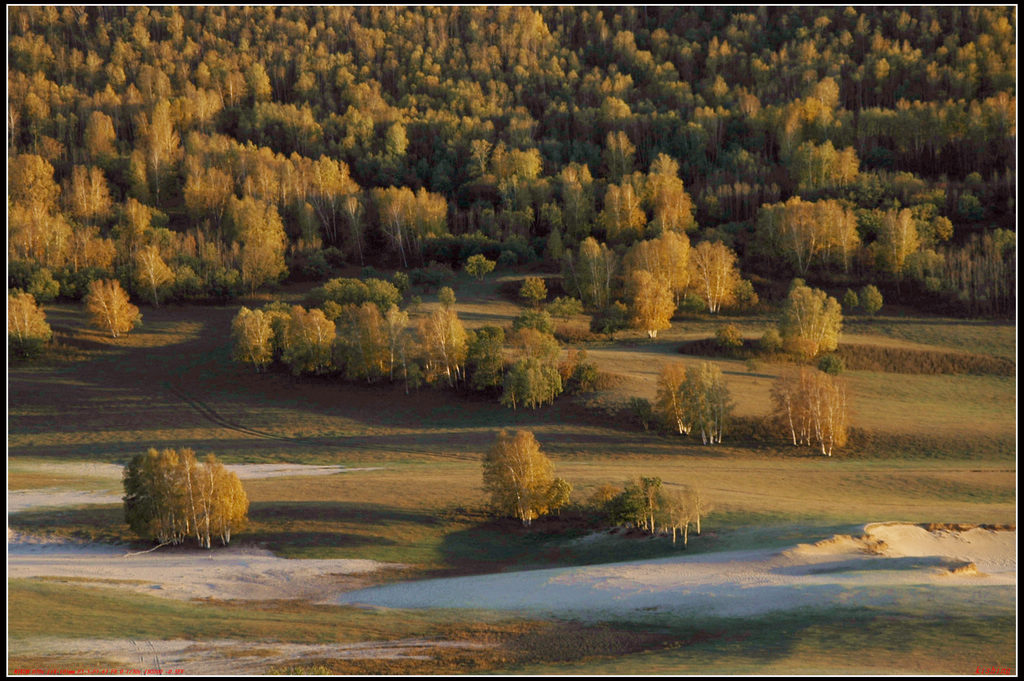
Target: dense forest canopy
(205,152)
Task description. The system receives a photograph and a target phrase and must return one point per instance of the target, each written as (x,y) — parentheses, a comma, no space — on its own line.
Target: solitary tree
(520,478)
(27,330)
(109,307)
(478,266)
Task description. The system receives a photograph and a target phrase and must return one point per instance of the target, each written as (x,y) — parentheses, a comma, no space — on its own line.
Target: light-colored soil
(234,572)
(869,570)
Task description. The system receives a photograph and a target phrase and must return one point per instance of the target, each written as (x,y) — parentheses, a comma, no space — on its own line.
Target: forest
(205,153)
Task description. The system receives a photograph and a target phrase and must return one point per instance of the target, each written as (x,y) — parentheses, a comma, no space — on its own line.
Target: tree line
(202,153)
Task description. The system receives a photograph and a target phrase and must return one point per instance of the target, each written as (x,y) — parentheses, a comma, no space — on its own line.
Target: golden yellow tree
(520,478)
(109,307)
(27,330)
(651,306)
(811,321)
(714,274)
(151,272)
(253,338)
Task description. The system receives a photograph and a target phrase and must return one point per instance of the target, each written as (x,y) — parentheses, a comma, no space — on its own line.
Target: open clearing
(355,490)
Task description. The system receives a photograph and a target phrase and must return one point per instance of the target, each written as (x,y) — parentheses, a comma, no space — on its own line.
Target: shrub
(728,337)
(850,301)
(534,319)
(871,299)
(831,364)
(578,375)
(771,341)
(643,411)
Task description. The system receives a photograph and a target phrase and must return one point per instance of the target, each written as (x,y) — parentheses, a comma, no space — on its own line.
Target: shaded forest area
(201,153)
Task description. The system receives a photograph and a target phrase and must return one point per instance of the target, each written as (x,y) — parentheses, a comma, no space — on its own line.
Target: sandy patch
(841,571)
(217,657)
(58,497)
(232,572)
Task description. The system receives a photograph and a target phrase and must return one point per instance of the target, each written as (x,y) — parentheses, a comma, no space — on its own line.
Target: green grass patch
(837,641)
(46,609)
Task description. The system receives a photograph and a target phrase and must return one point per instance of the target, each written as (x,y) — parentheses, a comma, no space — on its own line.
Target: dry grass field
(927,448)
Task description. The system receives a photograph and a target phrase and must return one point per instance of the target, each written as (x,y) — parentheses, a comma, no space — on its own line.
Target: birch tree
(253,338)
(27,330)
(811,321)
(109,307)
(714,274)
(520,478)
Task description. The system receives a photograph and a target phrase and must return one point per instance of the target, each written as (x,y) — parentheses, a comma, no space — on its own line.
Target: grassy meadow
(925,448)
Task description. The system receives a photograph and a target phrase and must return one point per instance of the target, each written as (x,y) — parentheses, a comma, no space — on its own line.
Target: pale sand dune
(843,570)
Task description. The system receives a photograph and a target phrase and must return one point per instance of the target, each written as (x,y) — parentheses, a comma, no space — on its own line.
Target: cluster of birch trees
(813,408)
(695,400)
(647,503)
(170,496)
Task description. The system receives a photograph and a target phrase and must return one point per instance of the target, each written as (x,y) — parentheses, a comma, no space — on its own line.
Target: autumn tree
(258,228)
(651,306)
(533,379)
(897,239)
(812,407)
(151,272)
(109,307)
(520,478)
(252,338)
(27,330)
(589,273)
(308,341)
(623,217)
(170,496)
(870,299)
(811,321)
(667,257)
(479,266)
(670,204)
(669,406)
(706,401)
(714,274)
(533,291)
(443,339)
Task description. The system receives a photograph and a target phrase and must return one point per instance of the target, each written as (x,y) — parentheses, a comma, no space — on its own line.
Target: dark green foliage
(484,362)
(831,364)
(611,320)
(642,411)
(870,299)
(533,319)
(578,374)
(347,291)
